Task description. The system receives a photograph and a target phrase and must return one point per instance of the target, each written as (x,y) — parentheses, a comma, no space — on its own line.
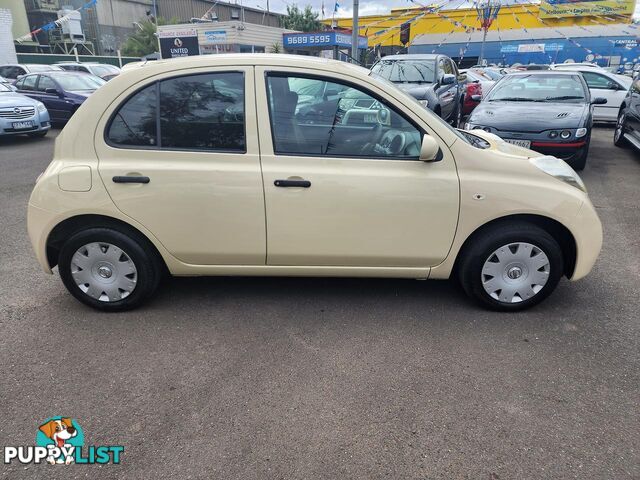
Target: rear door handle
(292,183)
(130,179)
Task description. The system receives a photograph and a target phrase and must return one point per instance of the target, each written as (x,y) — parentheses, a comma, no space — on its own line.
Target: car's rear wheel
(511,266)
(618,134)
(108,269)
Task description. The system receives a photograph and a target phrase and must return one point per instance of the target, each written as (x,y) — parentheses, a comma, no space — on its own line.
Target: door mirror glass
(448,79)
(599,101)
(430,150)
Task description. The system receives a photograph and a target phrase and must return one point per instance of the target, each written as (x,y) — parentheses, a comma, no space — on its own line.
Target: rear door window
(203,112)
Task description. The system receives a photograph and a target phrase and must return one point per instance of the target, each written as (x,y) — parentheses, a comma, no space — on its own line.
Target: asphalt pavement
(271,378)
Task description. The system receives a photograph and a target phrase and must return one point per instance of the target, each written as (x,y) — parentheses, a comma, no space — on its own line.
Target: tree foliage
(303,20)
(144,41)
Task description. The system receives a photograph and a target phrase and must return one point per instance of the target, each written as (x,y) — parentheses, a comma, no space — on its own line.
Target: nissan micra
(287,165)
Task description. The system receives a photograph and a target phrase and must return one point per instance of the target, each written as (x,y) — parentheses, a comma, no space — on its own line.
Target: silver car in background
(21,115)
(603,84)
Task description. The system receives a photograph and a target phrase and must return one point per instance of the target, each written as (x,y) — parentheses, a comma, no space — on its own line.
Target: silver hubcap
(515,272)
(104,271)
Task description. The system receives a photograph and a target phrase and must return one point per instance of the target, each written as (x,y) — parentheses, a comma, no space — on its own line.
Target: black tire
(480,248)
(578,163)
(38,134)
(148,266)
(619,139)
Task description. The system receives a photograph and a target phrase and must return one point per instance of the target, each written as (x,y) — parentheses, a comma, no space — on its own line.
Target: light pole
(487,12)
(354,33)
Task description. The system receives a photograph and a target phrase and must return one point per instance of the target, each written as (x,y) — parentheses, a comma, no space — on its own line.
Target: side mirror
(448,79)
(599,101)
(430,150)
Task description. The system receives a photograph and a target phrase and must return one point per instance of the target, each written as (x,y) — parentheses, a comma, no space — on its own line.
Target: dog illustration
(59,431)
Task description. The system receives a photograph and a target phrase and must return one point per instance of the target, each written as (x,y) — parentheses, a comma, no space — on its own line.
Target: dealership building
(552,31)
(610,45)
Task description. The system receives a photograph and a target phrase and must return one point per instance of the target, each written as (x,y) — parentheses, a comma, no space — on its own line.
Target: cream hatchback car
(287,165)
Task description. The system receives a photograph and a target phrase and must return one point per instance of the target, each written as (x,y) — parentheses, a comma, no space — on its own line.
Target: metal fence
(48,58)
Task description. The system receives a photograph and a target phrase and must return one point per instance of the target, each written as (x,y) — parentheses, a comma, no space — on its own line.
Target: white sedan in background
(604,84)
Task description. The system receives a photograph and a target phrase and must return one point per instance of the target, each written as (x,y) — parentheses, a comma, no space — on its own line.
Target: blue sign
(320,39)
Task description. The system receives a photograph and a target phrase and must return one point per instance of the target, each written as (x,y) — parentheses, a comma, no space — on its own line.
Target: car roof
(543,72)
(259,59)
(413,56)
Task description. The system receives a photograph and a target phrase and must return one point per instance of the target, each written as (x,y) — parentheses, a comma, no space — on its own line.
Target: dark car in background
(61,92)
(628,125)
(432,79)
(102,70)
(477,83)
(547,111)
(15,70)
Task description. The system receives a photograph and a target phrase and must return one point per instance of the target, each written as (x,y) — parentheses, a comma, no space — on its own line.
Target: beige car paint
(418,221)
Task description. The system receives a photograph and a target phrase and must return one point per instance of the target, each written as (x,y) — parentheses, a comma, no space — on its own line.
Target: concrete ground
(330,378)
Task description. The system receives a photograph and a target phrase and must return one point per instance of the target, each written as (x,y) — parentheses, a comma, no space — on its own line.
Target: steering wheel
(393,142)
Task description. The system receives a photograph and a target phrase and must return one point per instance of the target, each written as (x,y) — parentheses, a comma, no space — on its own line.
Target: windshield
(4,88)
(406,71)
(104,70)
(538,88)
(42,68)
(78,82)
(493,74)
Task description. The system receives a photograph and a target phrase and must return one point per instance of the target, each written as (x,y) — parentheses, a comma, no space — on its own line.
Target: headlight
(581,132)
(41,107)
(559,169)
(565,134)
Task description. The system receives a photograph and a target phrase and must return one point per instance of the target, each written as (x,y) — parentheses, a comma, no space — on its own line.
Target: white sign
(179,32)
(531,47)
(215,36)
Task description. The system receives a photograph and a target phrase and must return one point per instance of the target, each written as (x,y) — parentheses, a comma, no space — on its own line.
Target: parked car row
(34,97)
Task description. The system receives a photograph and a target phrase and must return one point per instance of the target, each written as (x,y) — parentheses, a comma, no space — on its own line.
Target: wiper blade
(513,99)
(565,97)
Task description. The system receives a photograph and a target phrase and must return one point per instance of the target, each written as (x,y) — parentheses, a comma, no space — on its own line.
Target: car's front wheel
(511,266)
(108,269)
(618,134)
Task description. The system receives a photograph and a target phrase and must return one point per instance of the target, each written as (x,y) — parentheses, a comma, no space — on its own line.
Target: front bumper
(40,122)
(587,232)
(563,150)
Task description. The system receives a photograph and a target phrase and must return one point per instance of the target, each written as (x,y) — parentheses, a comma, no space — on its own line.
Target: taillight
(474,89)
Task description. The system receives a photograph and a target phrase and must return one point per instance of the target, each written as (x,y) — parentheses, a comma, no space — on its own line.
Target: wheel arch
(75,224)
(557,230)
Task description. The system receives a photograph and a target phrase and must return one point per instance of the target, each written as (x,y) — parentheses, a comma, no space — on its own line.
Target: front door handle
(292,183)
(130,179)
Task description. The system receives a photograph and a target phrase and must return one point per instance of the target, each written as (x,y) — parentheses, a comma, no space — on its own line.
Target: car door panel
(356,212)
(206,207)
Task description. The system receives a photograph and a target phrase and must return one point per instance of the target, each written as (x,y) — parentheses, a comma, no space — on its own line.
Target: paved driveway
(324,378)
